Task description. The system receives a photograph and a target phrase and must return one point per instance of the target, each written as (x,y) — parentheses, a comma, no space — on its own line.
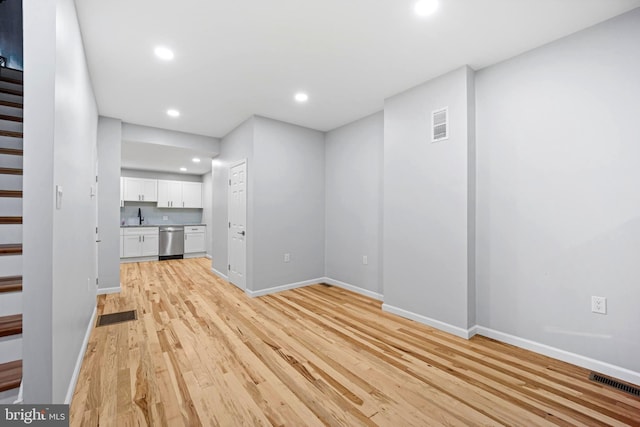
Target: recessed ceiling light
(173,113)
(426,7)
(301,97)
(195,160)
(183,169)
(163,53)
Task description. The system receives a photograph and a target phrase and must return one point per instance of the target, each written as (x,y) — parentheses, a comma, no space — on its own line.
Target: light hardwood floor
(203,353)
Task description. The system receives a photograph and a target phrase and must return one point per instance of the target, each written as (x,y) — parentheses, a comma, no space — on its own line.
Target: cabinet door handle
(143,238)
(143,197)
(139,239)
(183,204)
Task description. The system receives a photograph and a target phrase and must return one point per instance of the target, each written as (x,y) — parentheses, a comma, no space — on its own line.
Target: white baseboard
(566,356)
(352,288)
(138,259)
(106,291)
(454,330)
(207,256)
(217,273)
(83,349)
(194,255)
(473,330)
(262,292)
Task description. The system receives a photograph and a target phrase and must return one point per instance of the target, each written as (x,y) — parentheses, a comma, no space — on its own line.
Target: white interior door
(237,198)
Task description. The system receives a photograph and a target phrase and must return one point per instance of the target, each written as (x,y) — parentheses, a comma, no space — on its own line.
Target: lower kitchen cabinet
(194,239)
(140,242)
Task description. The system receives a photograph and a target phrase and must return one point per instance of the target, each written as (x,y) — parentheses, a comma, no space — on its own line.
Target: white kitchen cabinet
(179,194)
(191,194)
(131,246)
(140,190)
(121,192)
(150,244)
(140,242)
(169,194)
(121,242)
(194,239)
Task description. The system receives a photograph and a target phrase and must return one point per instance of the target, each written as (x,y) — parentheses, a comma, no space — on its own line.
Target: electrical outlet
(365,260)
(165,217)
(599,305)
(287,257)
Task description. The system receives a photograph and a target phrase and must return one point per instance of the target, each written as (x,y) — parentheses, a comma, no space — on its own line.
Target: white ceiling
(238,58)
(163,158)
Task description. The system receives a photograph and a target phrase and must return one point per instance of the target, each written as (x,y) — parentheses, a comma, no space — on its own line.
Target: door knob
(241,232)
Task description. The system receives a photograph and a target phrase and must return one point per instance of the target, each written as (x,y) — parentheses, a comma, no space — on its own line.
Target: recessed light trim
(173,112)
(301,97)
(426,7)
(164,53)
(195,160)
(183,169)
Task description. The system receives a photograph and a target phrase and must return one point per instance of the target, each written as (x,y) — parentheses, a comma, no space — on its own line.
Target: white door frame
(231,231)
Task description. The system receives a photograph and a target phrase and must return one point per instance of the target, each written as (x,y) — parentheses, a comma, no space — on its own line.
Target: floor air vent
(635,391)
(123,316)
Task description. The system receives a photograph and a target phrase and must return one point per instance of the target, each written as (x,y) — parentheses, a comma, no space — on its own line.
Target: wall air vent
(440,125)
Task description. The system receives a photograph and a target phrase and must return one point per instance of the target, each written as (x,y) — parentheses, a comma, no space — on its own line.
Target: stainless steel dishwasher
(171,242)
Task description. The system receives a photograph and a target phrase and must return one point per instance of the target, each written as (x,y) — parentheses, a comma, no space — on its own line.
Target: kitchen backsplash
(154,216)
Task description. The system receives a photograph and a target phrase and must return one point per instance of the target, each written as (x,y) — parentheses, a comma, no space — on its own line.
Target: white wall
(288,209)
(558,208)
(426,193)
(207,210)
(109,147)
(353,187)
(285,208)
(151,135)
(60,149)
(37,204)
(75,155)
(235,146)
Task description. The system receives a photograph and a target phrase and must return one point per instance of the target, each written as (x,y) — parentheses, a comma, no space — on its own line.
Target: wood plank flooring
(203,353)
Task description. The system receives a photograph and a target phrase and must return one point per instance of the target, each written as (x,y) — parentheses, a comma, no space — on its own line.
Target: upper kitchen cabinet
(179,194)
(192,194)
(140,190)
(169,194)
